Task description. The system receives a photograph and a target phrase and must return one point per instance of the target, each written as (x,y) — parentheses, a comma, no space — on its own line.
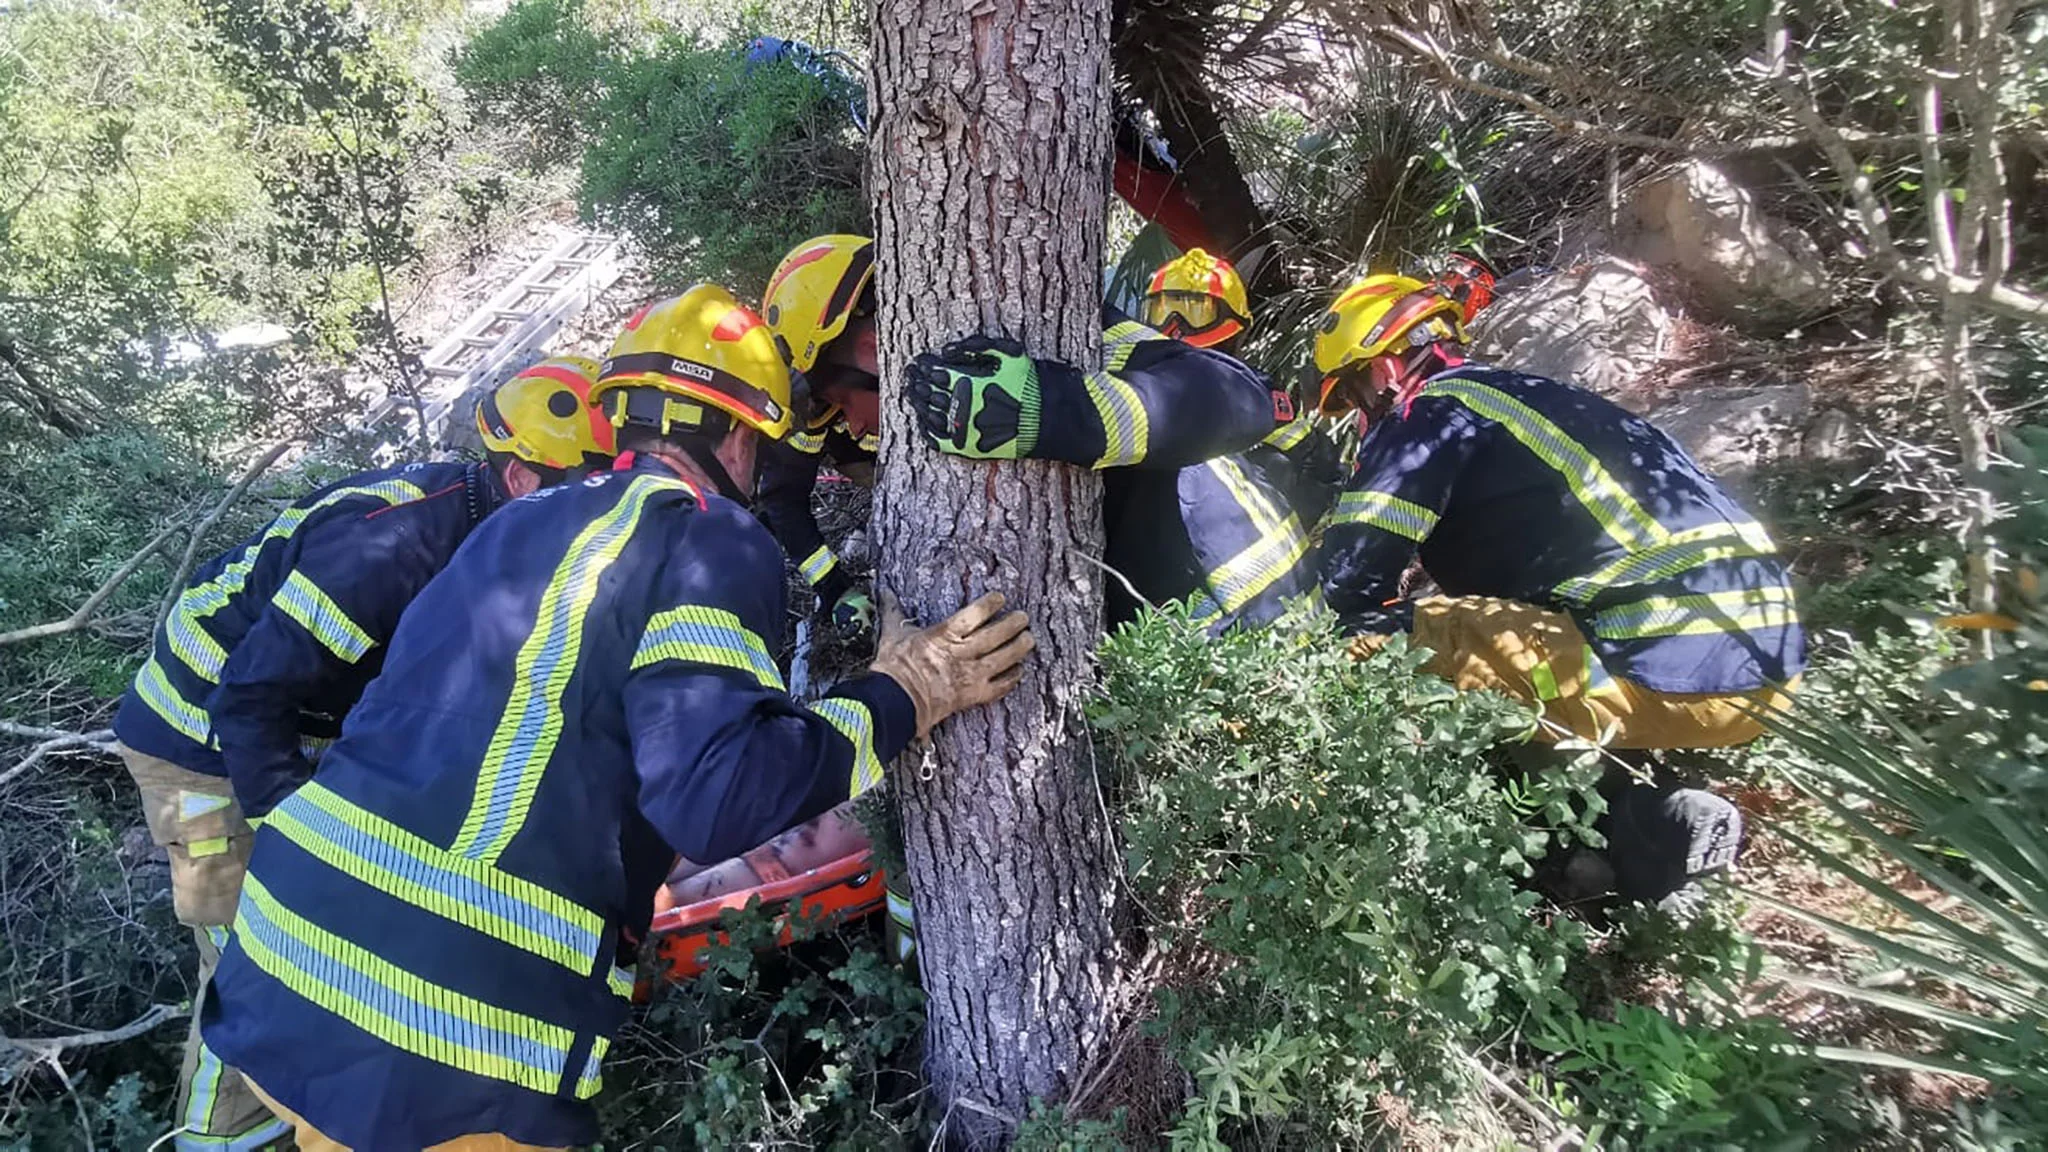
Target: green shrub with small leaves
(1331,841)
(814,1045)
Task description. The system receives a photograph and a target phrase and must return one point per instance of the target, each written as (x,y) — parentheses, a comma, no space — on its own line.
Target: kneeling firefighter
(1592,568)
(271,644)
(428,948)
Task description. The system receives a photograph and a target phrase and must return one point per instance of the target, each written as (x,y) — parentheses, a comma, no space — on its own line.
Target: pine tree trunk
(991,123)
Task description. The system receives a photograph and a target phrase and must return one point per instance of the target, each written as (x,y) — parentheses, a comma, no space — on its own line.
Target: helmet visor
(1196,317)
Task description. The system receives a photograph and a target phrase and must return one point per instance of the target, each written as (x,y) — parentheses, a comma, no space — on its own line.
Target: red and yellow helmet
(681,359)
(815,292)
(544,416)
(1380,315)
(1197,298)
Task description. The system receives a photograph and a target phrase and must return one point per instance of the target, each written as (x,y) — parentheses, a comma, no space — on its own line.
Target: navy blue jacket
(270,644)
(789,473)
(1194,503)
(429,934)
(1519,487)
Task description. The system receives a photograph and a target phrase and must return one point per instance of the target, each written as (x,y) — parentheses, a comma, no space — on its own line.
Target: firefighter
(429,942)
(820,304)
(1200,299)
(1590,567)
(270,645)
(1166,422)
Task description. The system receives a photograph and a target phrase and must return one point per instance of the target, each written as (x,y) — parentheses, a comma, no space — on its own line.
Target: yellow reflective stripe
(316,612)
(1698,614)
(1386,512)
(1596,489)
(201,849)
(1286,436)
(532,721)
(1264,517)
(809,443)
(1121,339)
(699,635)
(1684,551)
(818,564)
(1126,429)
(857,724)
(154,688)
(1280,546)
(194,646)
(314,747)
(398,1007)
(189,640)
(872,442)
(620,982)
(363,845)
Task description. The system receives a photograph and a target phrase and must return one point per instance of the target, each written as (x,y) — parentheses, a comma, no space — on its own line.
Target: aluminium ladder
(508,333)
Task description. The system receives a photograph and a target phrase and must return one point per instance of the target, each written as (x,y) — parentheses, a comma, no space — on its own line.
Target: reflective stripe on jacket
(429,937)
(268,646)
(1520,487)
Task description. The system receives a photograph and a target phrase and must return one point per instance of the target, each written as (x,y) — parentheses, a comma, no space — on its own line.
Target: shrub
(716,167)
(1328,839)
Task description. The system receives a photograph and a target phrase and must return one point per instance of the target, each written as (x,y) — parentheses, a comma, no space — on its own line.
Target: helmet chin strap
(714,470)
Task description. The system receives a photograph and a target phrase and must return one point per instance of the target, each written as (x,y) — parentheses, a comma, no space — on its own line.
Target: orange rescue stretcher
(823,868)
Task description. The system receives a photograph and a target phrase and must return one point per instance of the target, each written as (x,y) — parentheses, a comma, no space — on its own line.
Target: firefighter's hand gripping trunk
(1660,606)
(429,940)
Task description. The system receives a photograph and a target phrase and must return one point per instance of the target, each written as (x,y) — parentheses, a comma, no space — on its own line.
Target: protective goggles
(1192,317)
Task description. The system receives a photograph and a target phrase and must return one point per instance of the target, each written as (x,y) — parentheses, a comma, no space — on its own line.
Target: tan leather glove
(972,657)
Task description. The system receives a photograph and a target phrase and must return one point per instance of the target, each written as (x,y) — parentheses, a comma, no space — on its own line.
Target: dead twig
(205,525)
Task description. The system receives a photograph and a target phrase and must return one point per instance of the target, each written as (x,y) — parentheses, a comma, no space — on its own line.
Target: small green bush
(1330,840)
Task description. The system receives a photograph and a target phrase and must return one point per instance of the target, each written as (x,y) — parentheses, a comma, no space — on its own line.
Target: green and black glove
(977,397)
(854,614)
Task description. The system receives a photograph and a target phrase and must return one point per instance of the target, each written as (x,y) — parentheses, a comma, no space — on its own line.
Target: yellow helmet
(680,359)
(1197,298)
(1377,316)
(543,415)
(814,292)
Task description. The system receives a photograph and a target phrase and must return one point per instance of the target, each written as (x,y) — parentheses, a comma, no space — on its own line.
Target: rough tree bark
(991,121)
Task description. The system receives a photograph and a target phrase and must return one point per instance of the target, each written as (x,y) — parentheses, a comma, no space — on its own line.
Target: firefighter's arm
(343,590)
(1156,403)
(725,758)
(1407,470)
(789,473)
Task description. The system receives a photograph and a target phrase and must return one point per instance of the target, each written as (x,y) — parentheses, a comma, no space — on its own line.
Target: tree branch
(50,1049)
(100,741)
(84,614)
(185,562)
(1991,295)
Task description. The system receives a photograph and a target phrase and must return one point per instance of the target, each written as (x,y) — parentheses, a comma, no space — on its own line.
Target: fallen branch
(84,614)
(185,562)
(100,741)
(50,1049)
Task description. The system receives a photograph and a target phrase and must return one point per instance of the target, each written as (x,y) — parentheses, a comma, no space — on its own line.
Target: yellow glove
(1362,647)
(974,656)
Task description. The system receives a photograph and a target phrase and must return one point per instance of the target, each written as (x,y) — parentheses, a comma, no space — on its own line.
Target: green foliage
(1951,791)
(1654,1082)
(717,169)
(347,128)
(813,1046)
(539,68)
(1353,860)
